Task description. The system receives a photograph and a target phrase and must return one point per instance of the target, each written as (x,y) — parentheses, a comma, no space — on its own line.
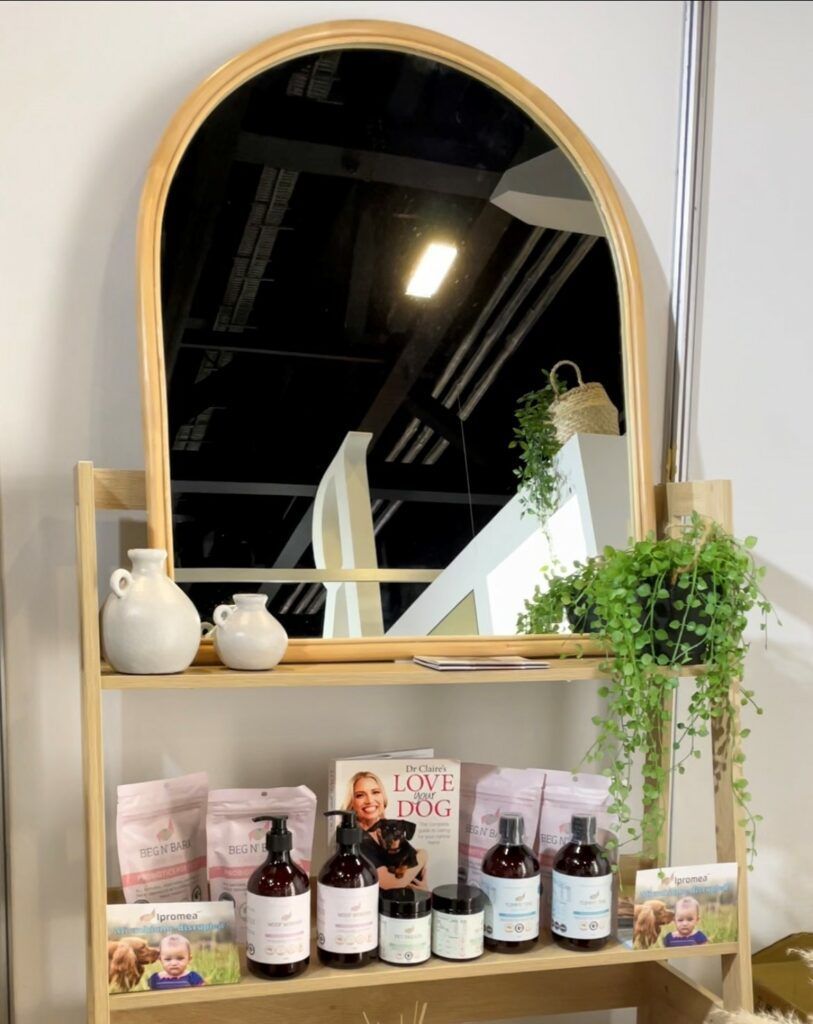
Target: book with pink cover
(409,809)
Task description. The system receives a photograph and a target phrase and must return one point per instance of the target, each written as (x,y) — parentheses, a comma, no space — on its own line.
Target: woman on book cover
(386,840)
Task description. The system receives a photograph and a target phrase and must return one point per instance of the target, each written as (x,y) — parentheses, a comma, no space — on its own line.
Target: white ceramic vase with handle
(149,625)
(246,635)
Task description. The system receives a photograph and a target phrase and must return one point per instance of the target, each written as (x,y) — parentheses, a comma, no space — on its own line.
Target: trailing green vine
(656,606)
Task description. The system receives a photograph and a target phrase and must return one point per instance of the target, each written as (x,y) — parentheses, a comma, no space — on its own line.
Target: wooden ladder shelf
(542,982)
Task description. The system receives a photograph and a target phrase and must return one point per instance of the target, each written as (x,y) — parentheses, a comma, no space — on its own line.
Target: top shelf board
(368,673)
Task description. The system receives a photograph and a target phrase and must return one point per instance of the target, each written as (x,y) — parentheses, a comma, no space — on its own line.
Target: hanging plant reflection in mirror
(546,419)
(540,480)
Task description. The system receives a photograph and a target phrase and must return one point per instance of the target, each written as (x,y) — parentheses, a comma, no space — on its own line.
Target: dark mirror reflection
(367,259)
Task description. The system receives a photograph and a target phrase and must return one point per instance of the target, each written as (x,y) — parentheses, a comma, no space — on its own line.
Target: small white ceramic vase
(246,635)
(149,625)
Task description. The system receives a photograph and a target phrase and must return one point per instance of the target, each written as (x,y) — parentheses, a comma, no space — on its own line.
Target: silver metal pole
(697,31)
(5,909)
(694,111)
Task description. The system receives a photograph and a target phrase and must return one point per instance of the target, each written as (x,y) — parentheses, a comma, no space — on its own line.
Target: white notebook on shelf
(463,664)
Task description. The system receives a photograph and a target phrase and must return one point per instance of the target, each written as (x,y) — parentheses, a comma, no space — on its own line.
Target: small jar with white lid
(458,920)
(404,926)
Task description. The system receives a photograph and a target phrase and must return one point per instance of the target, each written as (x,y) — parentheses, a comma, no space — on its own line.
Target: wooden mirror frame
(541,109)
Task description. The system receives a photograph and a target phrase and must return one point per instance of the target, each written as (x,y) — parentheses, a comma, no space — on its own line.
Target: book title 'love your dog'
(408,806)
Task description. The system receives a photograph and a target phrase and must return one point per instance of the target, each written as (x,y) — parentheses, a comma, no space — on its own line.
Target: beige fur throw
(741,1017)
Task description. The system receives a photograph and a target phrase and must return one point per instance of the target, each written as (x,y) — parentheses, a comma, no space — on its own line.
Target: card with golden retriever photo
(678,907)
(161,947)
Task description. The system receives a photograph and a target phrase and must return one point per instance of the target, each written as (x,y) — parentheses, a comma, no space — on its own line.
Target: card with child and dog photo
(162,947)
(408,806)
(676,907)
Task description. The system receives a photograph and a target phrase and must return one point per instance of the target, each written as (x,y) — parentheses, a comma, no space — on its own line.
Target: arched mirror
(361,246)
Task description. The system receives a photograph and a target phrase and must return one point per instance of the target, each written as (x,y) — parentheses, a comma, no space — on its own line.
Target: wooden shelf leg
(92,756)
(731,846)
(658,853)
(674,999)
(713,499)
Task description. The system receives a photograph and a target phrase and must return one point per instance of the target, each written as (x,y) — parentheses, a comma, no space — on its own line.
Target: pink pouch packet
(563,795)
(236,844)
(160,829)
(486,792)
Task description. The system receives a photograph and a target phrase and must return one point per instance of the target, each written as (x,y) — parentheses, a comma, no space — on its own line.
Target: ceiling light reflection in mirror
(432,268)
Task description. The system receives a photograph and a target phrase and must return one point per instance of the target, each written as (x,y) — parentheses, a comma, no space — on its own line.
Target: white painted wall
(499,568)
(752,414)
(87,91)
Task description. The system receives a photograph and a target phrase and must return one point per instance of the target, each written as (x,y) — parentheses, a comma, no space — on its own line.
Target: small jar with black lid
(404,926)
(458,918)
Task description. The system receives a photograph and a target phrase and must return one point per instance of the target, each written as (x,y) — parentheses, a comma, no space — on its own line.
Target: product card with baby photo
(166,946)
(678,907)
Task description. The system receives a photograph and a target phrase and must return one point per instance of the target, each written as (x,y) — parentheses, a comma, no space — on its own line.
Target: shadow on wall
(788,593)
(659,337)
(82,359)
(778,768)
(779,669)
(44,728)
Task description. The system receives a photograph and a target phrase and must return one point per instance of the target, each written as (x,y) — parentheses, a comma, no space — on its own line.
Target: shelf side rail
(92,745)
(713,499)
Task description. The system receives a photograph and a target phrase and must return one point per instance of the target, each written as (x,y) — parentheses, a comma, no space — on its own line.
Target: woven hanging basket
(585,409)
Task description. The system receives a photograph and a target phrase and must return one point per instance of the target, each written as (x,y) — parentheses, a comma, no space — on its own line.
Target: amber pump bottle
(278,908)
(511,883)
(582,889)
(347,901)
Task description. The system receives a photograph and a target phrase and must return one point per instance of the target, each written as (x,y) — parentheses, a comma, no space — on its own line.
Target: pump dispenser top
(349,832)
(278,837)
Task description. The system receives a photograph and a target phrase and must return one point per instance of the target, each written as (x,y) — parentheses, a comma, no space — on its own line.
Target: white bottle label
(512,910)
(404,940)
(346,919)
(457,936)
(581,907)
(278,928)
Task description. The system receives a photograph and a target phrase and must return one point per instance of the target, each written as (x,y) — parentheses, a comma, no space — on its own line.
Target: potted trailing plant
(658,605)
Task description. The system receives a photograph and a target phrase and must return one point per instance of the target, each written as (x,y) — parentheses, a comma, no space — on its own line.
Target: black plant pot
(581,617)
(665,613)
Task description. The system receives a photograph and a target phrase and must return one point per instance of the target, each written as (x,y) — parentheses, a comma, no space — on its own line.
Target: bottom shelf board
(546,957)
